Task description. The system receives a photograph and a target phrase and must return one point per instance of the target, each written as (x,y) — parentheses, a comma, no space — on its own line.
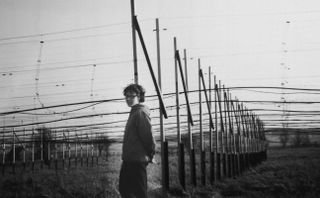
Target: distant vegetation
(293,137)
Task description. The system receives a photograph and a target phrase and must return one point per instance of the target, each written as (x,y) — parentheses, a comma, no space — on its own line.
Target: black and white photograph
(159,98)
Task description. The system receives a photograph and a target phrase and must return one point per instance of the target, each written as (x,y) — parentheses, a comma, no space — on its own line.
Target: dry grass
(292,172)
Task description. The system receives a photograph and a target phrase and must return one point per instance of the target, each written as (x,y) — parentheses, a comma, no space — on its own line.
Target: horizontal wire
(61,32)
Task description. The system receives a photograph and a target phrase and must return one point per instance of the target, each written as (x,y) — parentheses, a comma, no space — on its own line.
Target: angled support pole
(207,99)
(177,57)
(137,28)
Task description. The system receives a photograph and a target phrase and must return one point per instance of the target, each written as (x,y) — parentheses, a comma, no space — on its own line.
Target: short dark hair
(138,89)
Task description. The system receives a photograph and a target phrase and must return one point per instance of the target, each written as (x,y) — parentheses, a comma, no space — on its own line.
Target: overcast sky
(86,53)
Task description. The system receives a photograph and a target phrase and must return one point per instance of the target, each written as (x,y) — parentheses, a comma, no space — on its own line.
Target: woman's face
(131,98)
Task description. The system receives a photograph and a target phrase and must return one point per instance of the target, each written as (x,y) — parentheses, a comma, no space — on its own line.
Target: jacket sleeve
(146,133)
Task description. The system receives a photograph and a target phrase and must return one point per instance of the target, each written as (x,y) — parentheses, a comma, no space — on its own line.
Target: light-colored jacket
(138,142)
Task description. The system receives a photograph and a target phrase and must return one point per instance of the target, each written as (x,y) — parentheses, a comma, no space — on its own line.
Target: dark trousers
(133,180)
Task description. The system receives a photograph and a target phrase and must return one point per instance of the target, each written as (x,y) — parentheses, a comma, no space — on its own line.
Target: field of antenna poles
(229,119)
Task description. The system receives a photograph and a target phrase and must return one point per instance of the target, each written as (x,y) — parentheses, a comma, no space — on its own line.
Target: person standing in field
(138,146)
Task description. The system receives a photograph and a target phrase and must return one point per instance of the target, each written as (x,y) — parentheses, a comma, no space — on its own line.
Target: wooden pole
(49,153)
(177,92)
(246,139)
(87,150)
(237,139)
(255,148)
(164,169)
(241,138)
(177,56)
(81,141)
(159,94)
(134,43)
(190,119)
(24,150)
(232,135)
(55,152)
(227,145)
(202,152)
(212,175)
(32,152)
(207,100)
(41,147)
(3,152)
(76,152)
(245,148)
(69,149)
(92,151)
(191,147)
(217,148)
(243,144)
(180,145)
(229,137)
(249,125)
(97,150)
(221,130)
(14,151)
(63,148)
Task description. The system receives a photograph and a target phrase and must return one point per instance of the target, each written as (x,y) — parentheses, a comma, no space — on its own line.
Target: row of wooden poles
(37,152)
(239,134)
(236,135)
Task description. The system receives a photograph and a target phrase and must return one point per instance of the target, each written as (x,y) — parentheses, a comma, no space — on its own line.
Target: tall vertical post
(55,151)
(216,150)
(256,139)
(237,140)
(245,139)
(230,136)
(41,147)
(32,152)
(251,126)
(134,43)
(190,120)
(242,135)
(3,151)
(180,146)
(234,137)
(210,133)
(92,151)
(87,150)
(227,143)
(24,150)
(222,167)
(76,149)
(210,118)
(14,151)
(69,149)
(248,137)
(97,151)
(81,157)
(177,93)
(95,147)
(191,147)
(49,153)
(63,148)
(164,155)
(202,154)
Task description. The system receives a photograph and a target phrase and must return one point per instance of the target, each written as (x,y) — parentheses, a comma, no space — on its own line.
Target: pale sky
(246,43)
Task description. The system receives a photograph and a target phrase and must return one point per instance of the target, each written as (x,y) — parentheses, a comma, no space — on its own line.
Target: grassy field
(290,172)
